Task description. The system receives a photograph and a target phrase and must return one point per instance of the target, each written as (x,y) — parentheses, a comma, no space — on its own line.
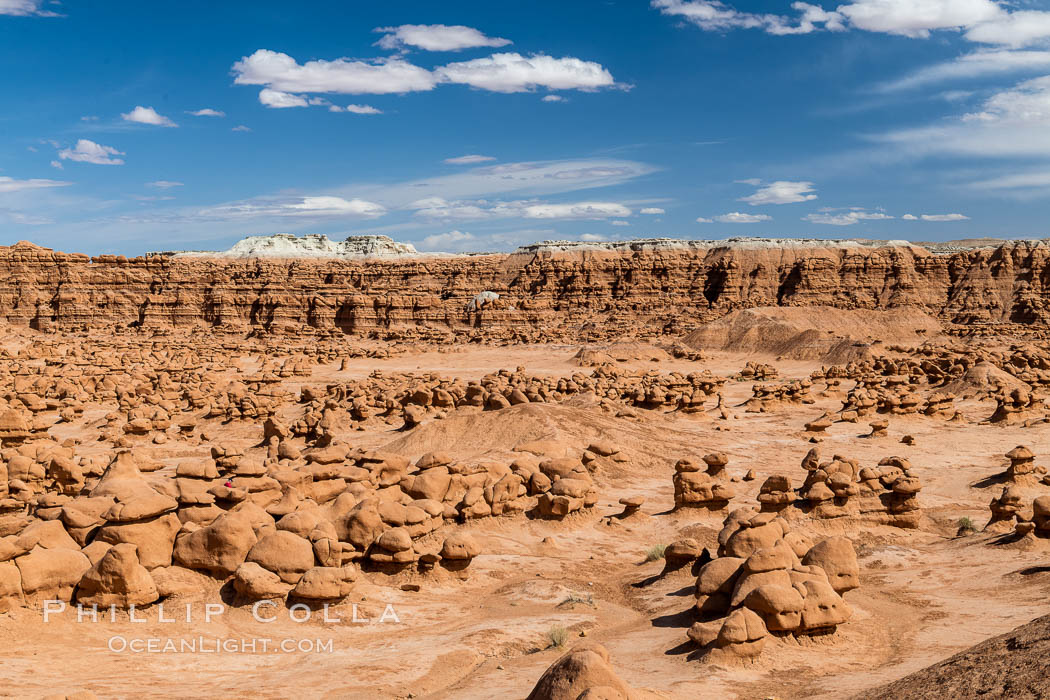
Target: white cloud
(620,222)
(753,181)
(704,220)
(552,98)
(944,217)
(17,217)
(438,208)
(240,127)
(436,37)
(355,109)
(522,179)
(57,164)
(90,152)
(781,192)
(652,210)
(512,72)
(281,100)
(711,15)
(579,210)
(736,217)
(307,207)
(164,184)
(1015,29)
(281,72)
(147,115)
(452,239)
(592,237)
(207,112)
(501,72)
(441,209)
(471,159)
(24,8)
(848,218)
(9,184)
(916,18)
(972,65)
(357,207)
(935,217)
(1013,122)
(983,21)
(1017,181)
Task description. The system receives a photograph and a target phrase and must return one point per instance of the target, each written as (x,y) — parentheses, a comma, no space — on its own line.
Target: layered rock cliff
(545,292)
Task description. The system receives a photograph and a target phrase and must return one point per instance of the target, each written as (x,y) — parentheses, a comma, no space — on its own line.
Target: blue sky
(127,126)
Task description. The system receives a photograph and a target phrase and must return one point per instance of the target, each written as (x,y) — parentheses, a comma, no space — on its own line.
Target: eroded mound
(818,333)
(1012,665)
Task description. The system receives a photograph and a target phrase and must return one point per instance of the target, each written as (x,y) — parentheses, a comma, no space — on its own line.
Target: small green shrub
(557,636)
(655,552)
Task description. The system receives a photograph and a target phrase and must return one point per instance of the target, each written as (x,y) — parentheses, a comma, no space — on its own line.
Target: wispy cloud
(435,37)
(736,217)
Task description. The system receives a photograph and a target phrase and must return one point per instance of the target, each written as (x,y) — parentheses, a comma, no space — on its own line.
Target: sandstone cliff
(545,292)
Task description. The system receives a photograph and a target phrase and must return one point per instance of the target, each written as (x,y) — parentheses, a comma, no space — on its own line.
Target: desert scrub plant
(574,599)
(557,635)
(655,552)
(965,526)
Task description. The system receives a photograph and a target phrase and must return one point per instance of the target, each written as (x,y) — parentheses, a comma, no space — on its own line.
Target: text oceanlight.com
(214,645)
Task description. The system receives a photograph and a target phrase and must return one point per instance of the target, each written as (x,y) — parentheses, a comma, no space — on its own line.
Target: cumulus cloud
(1016,29)
(90,152)
(552,98)
(287,80)
(620,222)
(651,210)
(736,217)
(281,72)
(207,112)
(240,127)
(164,184)
(147,115)
(470,159)
(704,220)
(711,15)
(848,218)
(983,21)
(355,109)
(916,18)
(25,8)
(453,239)
(592,237)
(9,184)
(436,37)
(781,192)
(512,72)
(281,100)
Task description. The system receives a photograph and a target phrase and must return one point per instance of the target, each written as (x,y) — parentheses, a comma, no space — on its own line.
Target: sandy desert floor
(925,593)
